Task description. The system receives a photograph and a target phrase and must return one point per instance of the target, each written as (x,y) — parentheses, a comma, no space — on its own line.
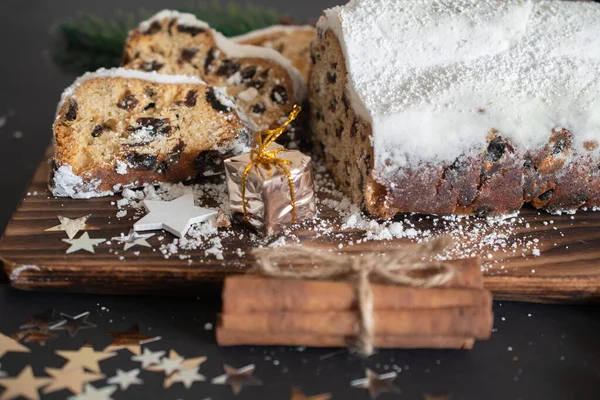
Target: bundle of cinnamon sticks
(298,312)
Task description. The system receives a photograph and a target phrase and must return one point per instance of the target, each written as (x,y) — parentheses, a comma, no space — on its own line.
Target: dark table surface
(536,351)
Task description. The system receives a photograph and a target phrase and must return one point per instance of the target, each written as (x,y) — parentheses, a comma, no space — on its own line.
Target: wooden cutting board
(567,269)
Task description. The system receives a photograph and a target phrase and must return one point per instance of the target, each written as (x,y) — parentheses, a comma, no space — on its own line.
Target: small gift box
(271,187)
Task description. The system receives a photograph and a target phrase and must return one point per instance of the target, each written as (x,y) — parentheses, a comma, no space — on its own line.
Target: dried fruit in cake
(264,84)
(292,41)
(122,128)
(410,117)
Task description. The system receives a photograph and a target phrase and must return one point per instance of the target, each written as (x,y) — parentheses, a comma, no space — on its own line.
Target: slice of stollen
(264,84)
(121,128)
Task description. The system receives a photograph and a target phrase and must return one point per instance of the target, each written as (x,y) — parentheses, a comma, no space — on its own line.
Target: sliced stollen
(264,84)
(463,107)
(122,128)
(292,41)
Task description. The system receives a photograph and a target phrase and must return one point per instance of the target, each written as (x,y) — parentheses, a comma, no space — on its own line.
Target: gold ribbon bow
(395,267)
(266,158)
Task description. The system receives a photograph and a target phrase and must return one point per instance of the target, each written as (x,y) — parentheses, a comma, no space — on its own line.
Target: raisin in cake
(265,84)
(121,128)
(466,107)
(292,41)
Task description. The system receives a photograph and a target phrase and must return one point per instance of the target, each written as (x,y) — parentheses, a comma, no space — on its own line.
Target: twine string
(397,267)
(266,158)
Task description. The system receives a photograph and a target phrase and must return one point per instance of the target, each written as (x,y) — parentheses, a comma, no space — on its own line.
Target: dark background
(536,352)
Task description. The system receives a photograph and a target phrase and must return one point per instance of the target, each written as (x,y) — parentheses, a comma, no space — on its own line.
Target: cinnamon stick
(464,322)
(246,294)
(228,337)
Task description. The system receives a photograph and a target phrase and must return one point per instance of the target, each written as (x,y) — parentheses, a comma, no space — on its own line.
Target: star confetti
(185,376)
(72,226)
(237,378)
(176,363)
(40,337)
(377,384)
(85,357)
(131,340)
(83,243)
(298,395)
(72,379)
(174,216)
(167,365)
(25,385)
(133,239)
(91,393)
(126,379)
(73,324)
(8,344)
(42,321)
(148,358)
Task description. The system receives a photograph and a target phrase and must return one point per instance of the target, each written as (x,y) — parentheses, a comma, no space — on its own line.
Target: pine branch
(91,42)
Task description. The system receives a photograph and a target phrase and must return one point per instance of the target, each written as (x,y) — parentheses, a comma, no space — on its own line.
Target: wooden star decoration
(175,216)
(377,384)
(73,379)
(131,340)
(72,226)
(167,365)
(237,378)
(8,344)
(148,358)
(73,324)
(42,321)
(91,393)
(134,239)
(25,384)
(173,364)
(85,357)
(185,376)
(298,395)
(84,242)
(18,336)
(40,337)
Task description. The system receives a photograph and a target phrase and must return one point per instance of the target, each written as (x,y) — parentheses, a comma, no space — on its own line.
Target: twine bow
(395,267)
(266,158)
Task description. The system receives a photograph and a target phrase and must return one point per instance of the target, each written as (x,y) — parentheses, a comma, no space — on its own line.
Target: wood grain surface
(568,269)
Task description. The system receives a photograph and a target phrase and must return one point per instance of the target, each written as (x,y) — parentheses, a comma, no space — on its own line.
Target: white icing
(433,77)
(234,49)
(130,74)
(66,184)
(182,19)
(271,30)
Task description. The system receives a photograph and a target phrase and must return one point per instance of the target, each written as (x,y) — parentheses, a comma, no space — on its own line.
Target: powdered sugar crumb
(340,223)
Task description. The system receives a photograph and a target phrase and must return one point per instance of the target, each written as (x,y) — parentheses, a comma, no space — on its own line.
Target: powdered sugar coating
(182,19)
(234,49)
(64,183)
(433,77)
